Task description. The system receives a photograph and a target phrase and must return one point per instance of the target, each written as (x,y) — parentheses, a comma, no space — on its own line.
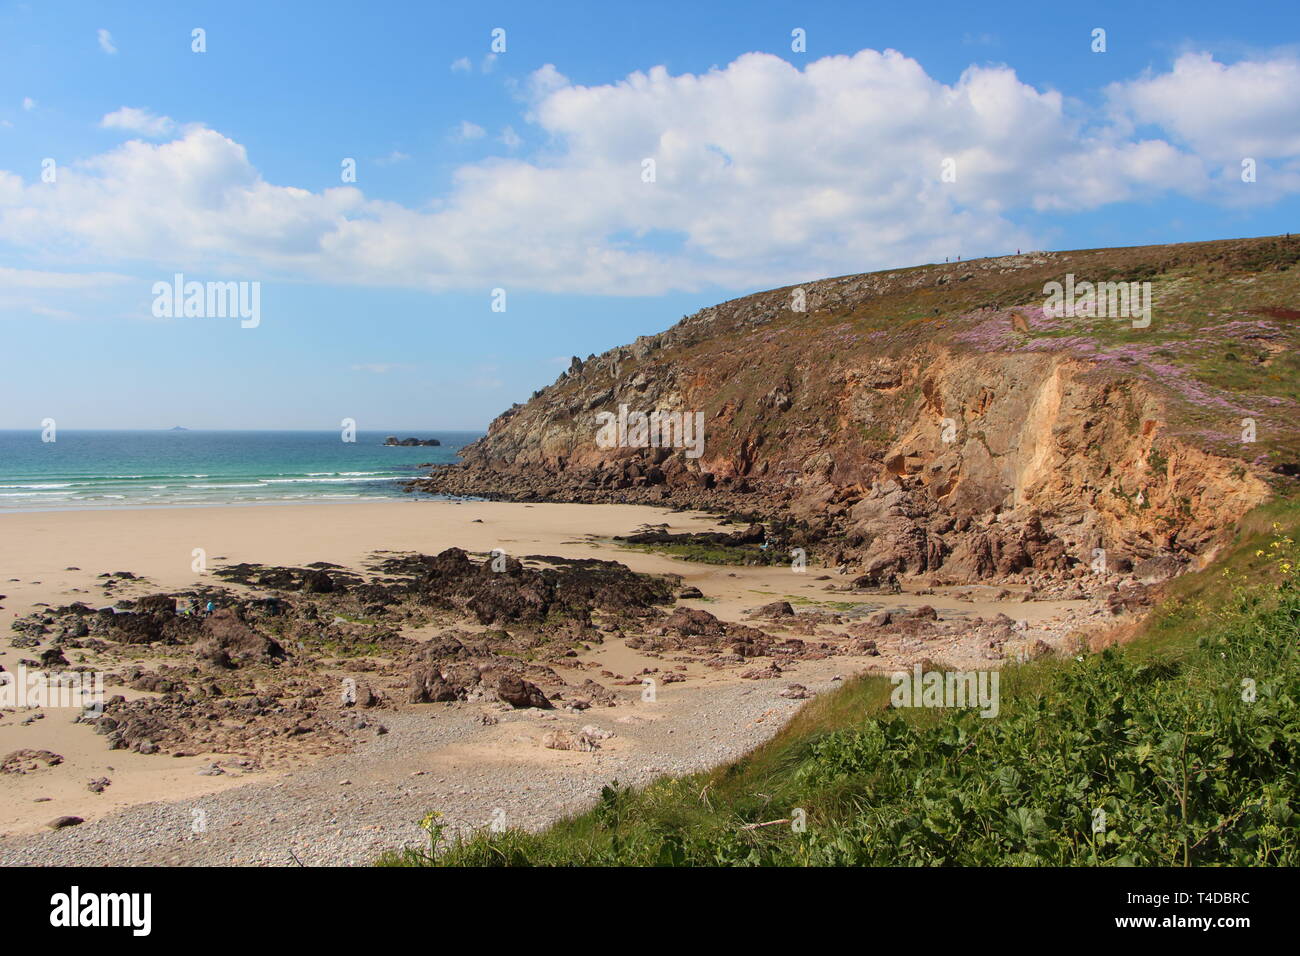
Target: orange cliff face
(939,420)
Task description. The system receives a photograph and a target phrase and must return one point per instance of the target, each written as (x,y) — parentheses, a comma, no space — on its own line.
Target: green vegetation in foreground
(1159,735)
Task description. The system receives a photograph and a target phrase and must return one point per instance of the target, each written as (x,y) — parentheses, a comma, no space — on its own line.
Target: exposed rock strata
(960,443)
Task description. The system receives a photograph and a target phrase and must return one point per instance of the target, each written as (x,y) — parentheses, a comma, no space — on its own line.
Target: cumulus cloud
(106,42)
(764,173)
(194,199)
(1220,111)
(1224,114)
(138,121)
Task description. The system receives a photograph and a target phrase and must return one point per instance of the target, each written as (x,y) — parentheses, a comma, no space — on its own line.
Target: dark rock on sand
(229,642)
(429,686)
(518,692)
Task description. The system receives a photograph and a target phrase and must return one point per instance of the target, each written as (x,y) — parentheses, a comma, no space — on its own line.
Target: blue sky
(523,170)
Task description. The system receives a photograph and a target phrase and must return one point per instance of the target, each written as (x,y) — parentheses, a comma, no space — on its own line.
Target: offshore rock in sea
(394,440)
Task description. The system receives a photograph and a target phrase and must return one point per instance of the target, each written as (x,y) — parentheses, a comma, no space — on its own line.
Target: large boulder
(150,619)
(1157,570)
(517,692)
(777,609)
(502,598)
(428,685)
(317,582)
(228,642)
(694,622)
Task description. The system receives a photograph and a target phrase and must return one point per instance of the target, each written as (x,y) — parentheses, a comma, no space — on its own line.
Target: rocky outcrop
(517,692)
(311,656)
(429,685)
(28,760)
(229,642)
(933,421)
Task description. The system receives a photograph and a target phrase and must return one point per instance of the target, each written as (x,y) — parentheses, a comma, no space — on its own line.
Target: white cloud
(36,279)
(468,130)
(545,80)
(465,65)
(196,198)
(56,295)
(1222,112)
(392,159)
(765,174)
(510,139)
(106,42)
(378,368)
(29,103)
(138,121)
(48,312)
(1219,115)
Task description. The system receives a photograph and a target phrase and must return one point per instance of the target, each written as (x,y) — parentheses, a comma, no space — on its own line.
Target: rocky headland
(939,422)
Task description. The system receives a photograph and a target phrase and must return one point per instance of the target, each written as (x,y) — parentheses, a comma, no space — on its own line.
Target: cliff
(946,419)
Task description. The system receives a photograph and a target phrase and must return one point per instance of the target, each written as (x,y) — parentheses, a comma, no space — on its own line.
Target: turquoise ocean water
(106,469)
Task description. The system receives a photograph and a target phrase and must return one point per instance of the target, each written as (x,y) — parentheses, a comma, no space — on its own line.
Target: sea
(81,470)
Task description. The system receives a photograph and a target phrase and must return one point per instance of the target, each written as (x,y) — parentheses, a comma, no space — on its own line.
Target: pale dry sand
(158,545)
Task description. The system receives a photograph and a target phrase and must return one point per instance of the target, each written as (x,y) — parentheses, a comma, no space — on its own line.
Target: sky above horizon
(517,161)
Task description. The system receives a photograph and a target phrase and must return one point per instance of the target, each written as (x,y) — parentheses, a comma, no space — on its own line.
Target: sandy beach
(55,558)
